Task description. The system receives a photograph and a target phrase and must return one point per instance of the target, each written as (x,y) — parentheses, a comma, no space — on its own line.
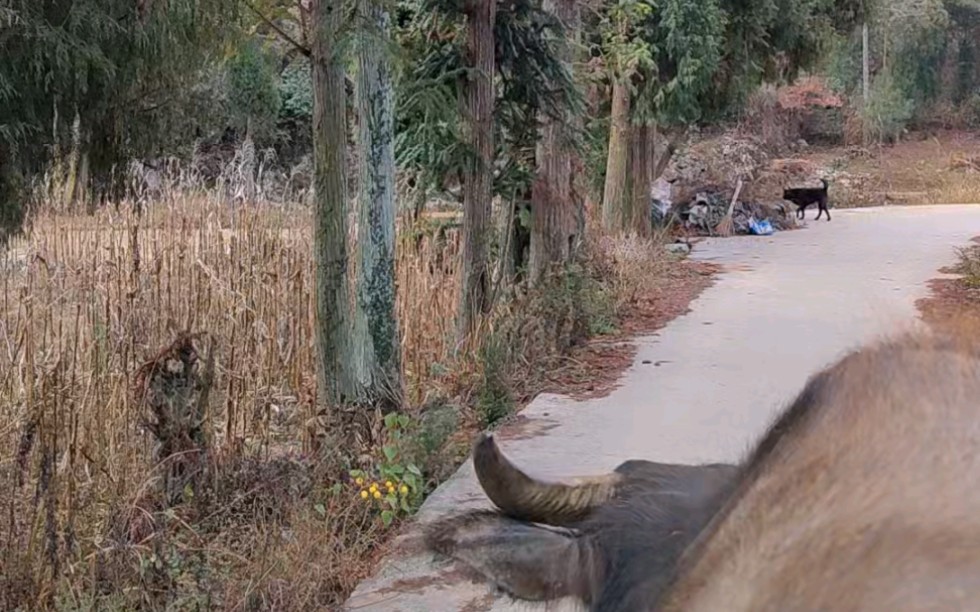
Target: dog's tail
(826,185)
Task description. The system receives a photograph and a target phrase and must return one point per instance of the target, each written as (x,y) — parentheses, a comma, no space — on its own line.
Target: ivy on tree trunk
(377,329)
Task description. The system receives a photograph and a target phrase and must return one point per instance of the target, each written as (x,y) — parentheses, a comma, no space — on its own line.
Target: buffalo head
(610,540)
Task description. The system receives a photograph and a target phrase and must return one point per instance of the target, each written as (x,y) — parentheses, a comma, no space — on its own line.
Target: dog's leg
(819,212)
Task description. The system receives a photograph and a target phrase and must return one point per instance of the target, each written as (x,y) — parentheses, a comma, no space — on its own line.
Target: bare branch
(282,33)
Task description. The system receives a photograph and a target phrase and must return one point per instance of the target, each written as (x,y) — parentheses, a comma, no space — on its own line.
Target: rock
(661,190)
(678,248)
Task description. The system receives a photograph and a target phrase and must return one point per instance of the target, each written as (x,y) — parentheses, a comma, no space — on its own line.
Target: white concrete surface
(707,385)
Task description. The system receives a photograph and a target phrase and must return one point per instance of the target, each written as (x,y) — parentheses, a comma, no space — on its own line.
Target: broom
(726,227)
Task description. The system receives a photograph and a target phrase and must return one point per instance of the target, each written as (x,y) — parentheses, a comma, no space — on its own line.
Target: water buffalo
(863,495)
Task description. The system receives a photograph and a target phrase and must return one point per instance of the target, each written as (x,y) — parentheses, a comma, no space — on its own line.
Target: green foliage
(624,46)
(889,111)
(772,40)
(966,71)
(913,42)
(253,89)
(296,89)
(919,50)
(12,196)
(968,266)
(122,66)
(699,61)
(531,80)
(583,301)
(436,425)
(494,400)
(687,38)
(843,63)
(668,49)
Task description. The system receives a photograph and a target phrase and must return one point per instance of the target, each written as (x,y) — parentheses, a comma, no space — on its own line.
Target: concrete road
(707,385)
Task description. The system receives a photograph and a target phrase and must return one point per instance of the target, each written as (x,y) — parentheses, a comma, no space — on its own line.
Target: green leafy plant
(494,400)
(254,88)
(396,485)
(296,90)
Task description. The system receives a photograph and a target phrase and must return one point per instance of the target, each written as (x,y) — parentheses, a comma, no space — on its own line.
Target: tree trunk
(614,195)
(662,158)
(577,176)
(477,106)
(553,214)
(641,165)
(865,64)
(377,327)
(335,368)
(246,169)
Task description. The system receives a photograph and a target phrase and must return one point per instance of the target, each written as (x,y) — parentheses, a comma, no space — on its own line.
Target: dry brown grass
(273,522)
(84,300)
(954,303)
(941,168)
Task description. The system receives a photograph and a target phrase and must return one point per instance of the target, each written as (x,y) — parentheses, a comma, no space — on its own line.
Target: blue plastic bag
(760,228)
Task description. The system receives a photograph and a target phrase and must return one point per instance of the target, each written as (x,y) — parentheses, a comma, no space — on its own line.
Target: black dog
(804,196)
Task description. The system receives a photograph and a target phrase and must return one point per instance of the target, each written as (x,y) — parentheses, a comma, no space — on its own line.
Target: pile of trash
(709,208)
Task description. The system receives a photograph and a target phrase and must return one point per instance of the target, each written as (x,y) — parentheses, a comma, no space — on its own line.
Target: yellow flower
(403,490)
(364,494)
(374,486)
(359,481)
(377,495)
(389,485)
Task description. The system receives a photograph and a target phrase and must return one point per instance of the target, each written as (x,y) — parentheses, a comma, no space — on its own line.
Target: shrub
(889,111)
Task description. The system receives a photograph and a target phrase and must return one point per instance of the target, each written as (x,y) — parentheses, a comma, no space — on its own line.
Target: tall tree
(477,102)
(336,369)
(614,193)
(626,54)
(554,209)
(358,341)
(379,347)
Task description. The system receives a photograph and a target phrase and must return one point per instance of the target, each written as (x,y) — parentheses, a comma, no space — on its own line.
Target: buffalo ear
(524,560)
